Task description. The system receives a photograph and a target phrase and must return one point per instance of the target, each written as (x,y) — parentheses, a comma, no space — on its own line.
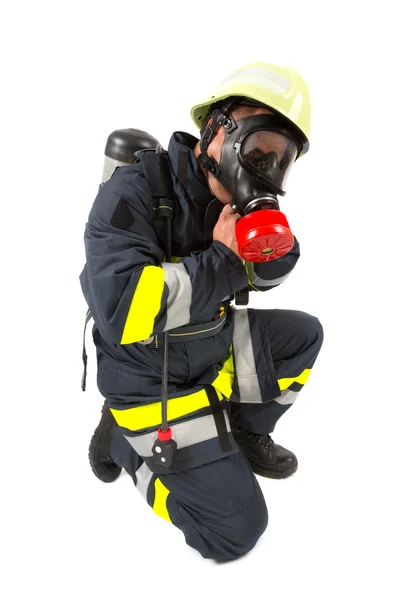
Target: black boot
(265,457)
(100,459)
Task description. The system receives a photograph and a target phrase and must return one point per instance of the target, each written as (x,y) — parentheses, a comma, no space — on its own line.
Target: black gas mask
(256,157)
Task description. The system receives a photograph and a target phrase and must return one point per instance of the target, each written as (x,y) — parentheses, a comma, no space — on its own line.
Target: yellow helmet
(280,88)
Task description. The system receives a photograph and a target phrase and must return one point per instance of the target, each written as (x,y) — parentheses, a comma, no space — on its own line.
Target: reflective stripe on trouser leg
(147,483)
(219,506)
(161,494)
(253,356)
(200,438)
(294,340)
(255,378)
(262,418)
(185,434)
(146,416)
(290,389)
(245,367)
(153,491)
(199,422)
(291,386)
(143,480)
(149,415)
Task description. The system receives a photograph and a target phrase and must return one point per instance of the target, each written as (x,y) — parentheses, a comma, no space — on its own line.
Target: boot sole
(272,474)
(104,473)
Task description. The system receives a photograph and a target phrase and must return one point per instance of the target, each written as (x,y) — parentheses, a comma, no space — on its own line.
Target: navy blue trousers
(219,506)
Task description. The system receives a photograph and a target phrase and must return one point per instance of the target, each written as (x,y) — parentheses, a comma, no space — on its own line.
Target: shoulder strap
(158,175)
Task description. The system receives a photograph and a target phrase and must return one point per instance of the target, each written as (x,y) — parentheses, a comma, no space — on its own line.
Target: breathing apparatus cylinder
(121,146)
(258,150)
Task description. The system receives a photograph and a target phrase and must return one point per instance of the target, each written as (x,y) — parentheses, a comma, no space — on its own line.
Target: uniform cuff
(235,270)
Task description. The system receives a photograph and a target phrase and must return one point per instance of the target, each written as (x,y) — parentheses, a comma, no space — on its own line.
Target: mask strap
(219,116)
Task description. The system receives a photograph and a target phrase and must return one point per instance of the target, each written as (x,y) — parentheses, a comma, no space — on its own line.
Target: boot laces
(266,442)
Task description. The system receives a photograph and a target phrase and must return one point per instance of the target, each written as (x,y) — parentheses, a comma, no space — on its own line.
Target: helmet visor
(268,155)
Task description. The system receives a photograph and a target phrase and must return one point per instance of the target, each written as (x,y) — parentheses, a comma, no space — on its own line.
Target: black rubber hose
(164,401)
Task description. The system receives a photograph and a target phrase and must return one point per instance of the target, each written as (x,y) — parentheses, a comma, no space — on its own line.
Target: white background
(72,73)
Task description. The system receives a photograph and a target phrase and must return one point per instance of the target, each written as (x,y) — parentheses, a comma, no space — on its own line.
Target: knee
(227,514)
(250,525)
(236,535)
(312,329)
(318,332)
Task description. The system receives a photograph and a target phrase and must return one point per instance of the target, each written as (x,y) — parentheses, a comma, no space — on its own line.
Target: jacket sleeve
(131,292)
(264,276)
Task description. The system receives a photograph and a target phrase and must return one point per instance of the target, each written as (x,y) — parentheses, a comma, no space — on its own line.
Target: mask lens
(269,155)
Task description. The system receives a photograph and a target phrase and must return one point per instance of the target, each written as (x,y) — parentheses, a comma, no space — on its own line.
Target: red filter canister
(264,235)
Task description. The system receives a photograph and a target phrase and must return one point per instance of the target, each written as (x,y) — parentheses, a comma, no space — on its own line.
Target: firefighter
(232,372)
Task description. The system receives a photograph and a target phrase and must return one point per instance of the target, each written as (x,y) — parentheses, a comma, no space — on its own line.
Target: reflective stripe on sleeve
(179,298)
(255,280)
(146,301)
(145,306)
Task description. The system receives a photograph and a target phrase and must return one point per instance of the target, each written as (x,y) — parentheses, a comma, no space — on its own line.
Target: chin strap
(219,116)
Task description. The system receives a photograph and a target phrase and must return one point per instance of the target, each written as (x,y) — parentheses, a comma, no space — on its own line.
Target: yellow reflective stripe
(142,417)
(160,499)
(224,380)
(287,381)
(145,306)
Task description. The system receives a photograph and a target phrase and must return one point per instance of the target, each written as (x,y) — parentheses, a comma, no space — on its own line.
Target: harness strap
(157,172)
(219,418)
(84,355)
(183,163)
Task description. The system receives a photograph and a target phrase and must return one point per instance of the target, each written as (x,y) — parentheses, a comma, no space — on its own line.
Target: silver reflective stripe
(248,75)
(245,367)
(179,298)
(256,280)
(287,397)
(143,476)
(185,434)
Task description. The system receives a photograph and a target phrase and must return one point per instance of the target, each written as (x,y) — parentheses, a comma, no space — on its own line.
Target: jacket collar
(185,168)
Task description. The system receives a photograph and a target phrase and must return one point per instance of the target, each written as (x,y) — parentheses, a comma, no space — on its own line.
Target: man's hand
(224,230)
